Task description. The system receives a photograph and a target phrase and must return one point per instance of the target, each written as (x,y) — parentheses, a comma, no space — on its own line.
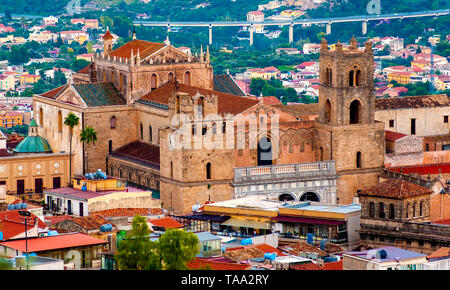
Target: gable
(70,96)
(167,54)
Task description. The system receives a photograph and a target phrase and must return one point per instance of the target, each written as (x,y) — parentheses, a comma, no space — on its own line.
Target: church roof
(33,144)
(395,188)
(145,48)
(139,151)
(107,35)
(412,102)
(99,94)
(226,84)
(53,93)
(227,103)
(84,70)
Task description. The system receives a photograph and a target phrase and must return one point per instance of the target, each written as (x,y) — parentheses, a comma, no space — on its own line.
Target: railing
(274,172)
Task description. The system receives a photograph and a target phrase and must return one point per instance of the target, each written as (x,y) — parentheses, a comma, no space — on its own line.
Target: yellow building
(11,119)
(7,83)
(400,77)
(29,79)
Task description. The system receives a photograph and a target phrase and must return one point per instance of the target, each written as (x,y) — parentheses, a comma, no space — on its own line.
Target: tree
(71,120)
(88,135)
(137,252)
(176,247)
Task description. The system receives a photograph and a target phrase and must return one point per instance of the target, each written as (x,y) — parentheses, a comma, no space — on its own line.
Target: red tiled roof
(440,253)
(128,212)
(412,102)
(85,70)
(53,93)
(226,103)
(271,100)
(139,151)
(302,247)
(90,222)
(395,188)
(338,265)
(166,223)
(145,48)
(48,243)
(12,225)
(392,136)
(199,263)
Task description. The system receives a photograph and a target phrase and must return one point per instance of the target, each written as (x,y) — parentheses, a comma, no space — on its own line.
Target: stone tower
(107,42)
(347,129)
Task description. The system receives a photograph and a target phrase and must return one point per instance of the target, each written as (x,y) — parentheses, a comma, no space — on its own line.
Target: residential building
(255,16)
(10,119)
(438,260)
(50,20)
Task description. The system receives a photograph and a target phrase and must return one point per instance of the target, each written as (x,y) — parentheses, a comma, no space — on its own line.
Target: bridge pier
(364,27)
(210,34)
(251,35)
(329,28)
(291,33)
(168,28)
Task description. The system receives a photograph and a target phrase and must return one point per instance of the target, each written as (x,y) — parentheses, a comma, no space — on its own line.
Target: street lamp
(26,217)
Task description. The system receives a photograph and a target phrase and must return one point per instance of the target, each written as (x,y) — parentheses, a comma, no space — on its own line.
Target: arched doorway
(264,151)
(286,197)
(310,196)
(355,112)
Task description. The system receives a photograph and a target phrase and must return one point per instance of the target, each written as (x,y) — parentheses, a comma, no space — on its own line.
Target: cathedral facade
(140,96)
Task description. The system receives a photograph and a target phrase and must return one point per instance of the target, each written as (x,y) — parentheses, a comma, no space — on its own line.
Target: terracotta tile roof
(49,243)
(53,93)
(128,212)
(271,100)
(395,188)
(199,263)
(99,94)
(12,225)
(412,102)
(90,222)
(307,266)
(440,253)
(392,136)
(166,223)
(139,151)
(226,84)
(300,109)
(145,48)
(84,70)
(107,35)
(226,103)
(338,265)
(302,247)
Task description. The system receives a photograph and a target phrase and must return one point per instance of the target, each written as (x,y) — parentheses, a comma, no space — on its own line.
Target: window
(413,126)
(407,210)
(427,147)
(391,211)
(150,134)
(153,82)
(60,122)
(177,105)
(224,127)
(142,131)
(170,77)
(327,111)
(208,170)
(112,122)
(41,117)
(350,78)
(371,209)
(391,123)
(445,119)
(201,107)
(110,146)
(421,209)
(414,210)
(171,169)
(381,213)
(194,129)
(355,108)
(358,160)
(187,78)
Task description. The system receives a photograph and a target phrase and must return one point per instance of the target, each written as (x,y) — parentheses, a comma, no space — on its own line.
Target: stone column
(210,35)
(291,33)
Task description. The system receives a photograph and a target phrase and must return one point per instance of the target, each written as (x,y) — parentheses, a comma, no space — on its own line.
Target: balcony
(286,173)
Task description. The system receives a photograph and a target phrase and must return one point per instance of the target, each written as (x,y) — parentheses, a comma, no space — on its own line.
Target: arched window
(187,78)
(150,134)
(201,106)
(357,78)
(60,121)
(321,154)
(170,77)
(421,208)
(407,211)
(350,78)
(112,122)
(208,170)
(153,82)
(327,111)
(171,169)
(328,76)
(355,112)
(371,209)
(41,117)
(391,211)
(142,131)
(381,213)
(414,210)
(110,146)
(358,159)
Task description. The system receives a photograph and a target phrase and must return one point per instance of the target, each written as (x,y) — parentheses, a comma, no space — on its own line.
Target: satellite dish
(73,256)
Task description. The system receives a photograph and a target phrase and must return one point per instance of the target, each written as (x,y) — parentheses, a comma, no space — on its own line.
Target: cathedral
(132,97)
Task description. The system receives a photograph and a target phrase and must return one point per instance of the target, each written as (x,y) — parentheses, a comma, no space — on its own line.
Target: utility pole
(25,216)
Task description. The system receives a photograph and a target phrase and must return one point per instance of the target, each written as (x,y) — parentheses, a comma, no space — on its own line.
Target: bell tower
(107,42)
(347,130)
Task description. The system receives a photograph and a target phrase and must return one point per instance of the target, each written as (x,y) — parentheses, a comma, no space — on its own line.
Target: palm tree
(71,120)
(88,135)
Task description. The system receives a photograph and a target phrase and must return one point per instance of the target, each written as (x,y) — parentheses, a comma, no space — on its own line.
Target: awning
(247,224)
(307,221)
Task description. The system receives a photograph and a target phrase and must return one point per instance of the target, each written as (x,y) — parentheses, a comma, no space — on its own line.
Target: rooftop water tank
(1,236)
(245,242)
(381,254)
(10,207)
(52,233)
(270,256)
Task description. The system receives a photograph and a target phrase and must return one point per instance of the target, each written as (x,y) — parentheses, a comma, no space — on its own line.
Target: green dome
(33,144)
